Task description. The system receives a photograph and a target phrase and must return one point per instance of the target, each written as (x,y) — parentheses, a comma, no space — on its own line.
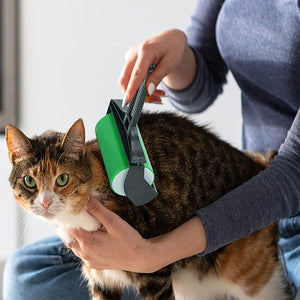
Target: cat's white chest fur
(65,219)
(82,220)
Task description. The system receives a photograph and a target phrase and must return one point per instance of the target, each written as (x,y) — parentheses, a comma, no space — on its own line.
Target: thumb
(106,217)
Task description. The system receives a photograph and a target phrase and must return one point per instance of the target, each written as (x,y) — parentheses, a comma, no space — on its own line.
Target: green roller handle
(114,156)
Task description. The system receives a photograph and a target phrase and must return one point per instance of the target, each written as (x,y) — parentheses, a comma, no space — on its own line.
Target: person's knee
(13,266)
(12,276)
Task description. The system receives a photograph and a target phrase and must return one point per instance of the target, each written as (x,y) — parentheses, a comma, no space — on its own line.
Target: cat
(53,175)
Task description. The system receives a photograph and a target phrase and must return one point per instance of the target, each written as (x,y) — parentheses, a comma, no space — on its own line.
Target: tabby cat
(54,174)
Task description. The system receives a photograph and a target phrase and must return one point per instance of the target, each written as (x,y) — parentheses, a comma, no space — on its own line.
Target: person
(259,42)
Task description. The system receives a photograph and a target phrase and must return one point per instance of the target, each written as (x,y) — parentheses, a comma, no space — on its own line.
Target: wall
(71,57)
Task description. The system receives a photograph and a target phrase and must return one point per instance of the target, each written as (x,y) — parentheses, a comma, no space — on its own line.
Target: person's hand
(116,246)
(172,57)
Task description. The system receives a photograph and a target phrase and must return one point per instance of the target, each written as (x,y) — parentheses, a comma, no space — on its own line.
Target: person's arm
(172,57)
(211,70)
(271,195)
(193,72)
(121,247)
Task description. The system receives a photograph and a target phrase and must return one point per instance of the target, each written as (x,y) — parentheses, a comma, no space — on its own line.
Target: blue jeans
(46,270)
(289,251)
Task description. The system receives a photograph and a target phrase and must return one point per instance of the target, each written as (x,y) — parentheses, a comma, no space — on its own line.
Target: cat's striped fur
(193,168)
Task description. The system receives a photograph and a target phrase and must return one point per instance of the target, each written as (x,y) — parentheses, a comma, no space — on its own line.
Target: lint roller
(124,155)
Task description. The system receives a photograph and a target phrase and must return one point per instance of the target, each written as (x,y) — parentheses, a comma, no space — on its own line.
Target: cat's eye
(62,180)
(29,182)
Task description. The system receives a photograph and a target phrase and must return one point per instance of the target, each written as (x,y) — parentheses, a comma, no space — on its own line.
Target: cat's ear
(18,144)
(74,140)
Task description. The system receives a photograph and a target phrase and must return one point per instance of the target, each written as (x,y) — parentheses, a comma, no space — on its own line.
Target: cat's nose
(46,203)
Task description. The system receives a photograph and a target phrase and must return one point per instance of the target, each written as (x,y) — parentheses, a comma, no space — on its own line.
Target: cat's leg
(190,284)
(105,284)
(251,269)
(275,289)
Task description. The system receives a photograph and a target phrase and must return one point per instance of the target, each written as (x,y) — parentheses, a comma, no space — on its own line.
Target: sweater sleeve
(271,195)
(210,68)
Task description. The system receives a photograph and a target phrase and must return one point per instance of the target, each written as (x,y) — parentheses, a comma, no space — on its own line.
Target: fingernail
(151,88)
(125,99)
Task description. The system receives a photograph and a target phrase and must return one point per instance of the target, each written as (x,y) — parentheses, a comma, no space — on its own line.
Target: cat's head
(51,176)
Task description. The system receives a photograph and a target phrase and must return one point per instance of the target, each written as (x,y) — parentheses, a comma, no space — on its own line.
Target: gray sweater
(259,42)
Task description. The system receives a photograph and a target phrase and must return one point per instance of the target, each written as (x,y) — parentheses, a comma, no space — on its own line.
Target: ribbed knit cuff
(196,97)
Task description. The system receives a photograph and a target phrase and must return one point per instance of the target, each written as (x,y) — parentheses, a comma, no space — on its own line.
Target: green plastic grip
(114,156)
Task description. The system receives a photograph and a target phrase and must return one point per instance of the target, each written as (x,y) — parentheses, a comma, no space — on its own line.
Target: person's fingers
(76,250)
(165,50)
(160,93)
(130,59)
(154,99)
(156,94)
(161,70)
(103,214)
(138,75)
(79,235)
(74,245)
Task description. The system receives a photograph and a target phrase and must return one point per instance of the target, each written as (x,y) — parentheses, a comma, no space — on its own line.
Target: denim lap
(289,250)
(42,271)
(46,270)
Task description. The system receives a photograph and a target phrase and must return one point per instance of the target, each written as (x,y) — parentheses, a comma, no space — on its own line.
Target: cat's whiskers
(77,207)
(26,222)
(9,198)
(55,209)
(22,217)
